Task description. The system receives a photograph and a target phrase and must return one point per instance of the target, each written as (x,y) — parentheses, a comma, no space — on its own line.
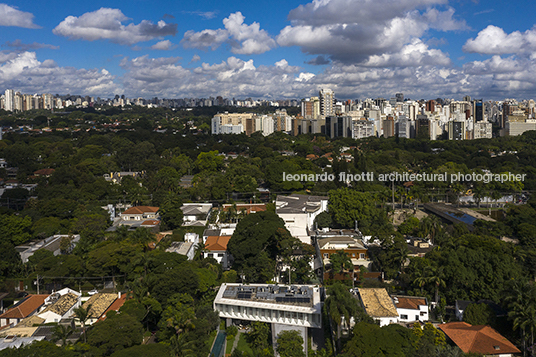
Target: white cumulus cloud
(351,31)
(243,38)
(107,23)
(164,45)
(11,16)
(25,73)
(494,41)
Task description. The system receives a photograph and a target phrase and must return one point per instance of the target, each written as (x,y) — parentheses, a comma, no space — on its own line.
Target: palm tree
(82,314)
(143,237)
(435,278)
(200,250)
(341,306)
(180,347)
(521,300)
(62,332)
(420,279)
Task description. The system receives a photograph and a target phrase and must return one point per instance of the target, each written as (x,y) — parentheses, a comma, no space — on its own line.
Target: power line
(81,277)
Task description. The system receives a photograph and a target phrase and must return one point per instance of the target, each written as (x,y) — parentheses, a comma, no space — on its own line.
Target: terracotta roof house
(28,306)
(116,305)
(411,308)
(378,305)
(98,304)
(44,172)
(138,214)
(478,339)
(216,247)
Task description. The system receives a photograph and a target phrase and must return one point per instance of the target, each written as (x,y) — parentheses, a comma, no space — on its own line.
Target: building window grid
(269,315)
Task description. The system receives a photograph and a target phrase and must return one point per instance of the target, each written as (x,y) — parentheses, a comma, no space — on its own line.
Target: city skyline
(358,48)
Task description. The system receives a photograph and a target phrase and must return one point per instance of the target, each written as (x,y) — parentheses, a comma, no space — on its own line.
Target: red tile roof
(478,339)
(413,303)
(141,210)
(25,307)
(116,305)
(44,172)
(150,222)
(217,243)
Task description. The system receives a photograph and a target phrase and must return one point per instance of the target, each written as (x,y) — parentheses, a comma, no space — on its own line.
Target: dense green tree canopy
(258,240)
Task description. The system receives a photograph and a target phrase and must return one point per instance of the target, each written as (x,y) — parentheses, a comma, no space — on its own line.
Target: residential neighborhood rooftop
(141,210)
(98,304)
(25,307)
(63,304)
(216,243)
(299,203)
(377,302)
(480,339)
(409,302)
(31,321)
(292,295)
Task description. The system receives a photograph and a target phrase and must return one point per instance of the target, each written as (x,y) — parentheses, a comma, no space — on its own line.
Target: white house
(51,244)
(299,213)
(135,216)
(378,305)
(196,214)
(60,305)
(216,247)
(188,247)
(411,308)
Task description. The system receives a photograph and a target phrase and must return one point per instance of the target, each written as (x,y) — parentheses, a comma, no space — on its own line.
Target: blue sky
(270,49)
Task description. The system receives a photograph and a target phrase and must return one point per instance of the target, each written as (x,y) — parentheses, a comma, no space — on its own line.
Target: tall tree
(290,344)
(82,315)
(259,239)
(341,306)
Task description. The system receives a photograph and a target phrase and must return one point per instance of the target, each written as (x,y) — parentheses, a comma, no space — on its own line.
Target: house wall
(311,216)
(296,223)
(4,322)
(384,321)
(413,314)
(220,256)
(50,316)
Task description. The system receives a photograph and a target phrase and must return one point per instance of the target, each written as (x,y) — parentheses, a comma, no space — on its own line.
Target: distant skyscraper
(8,104)
(478,110)
(399,97)
(327,102)
(430,106)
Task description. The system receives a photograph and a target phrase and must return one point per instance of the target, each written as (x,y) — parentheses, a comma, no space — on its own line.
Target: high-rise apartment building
(310,108)
(327,102)
(8,100)
(48,101)
(478,110)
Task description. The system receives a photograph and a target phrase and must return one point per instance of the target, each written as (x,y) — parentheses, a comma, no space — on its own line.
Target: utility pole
(393,195)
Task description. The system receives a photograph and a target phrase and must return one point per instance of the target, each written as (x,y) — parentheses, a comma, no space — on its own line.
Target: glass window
(404,317)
